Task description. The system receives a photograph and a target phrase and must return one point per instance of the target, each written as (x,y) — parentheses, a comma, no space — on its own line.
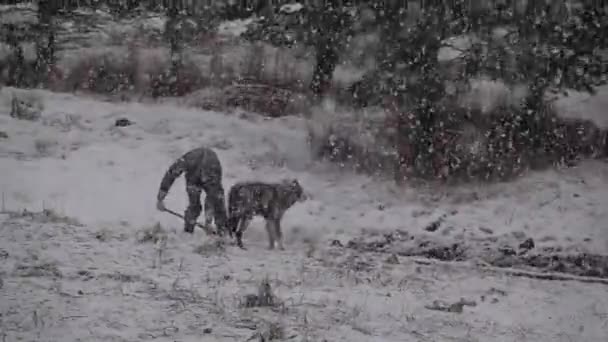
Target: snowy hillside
(84,270)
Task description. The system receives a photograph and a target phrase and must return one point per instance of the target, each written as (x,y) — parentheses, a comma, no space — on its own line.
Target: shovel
(205,228)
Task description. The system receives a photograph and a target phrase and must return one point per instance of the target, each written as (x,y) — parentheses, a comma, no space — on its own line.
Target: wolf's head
(294,191)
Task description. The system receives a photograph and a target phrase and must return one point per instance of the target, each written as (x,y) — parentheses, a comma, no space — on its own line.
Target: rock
(207,331)
(433,226)
(250,300)
(519,235)
(527,245)
(486,230)
(336,243)
(393,259)
(506,250)
(123,122)
(455,307)
(447,230)
(445,253)
(495,291)
(3,135)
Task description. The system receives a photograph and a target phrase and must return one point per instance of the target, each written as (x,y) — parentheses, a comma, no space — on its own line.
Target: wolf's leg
(271,233)
(194,208)
(278,233)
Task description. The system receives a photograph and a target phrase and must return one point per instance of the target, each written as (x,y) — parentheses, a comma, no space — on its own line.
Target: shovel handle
(205,228)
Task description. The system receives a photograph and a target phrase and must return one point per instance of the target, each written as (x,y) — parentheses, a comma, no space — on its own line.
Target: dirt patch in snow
(505,251)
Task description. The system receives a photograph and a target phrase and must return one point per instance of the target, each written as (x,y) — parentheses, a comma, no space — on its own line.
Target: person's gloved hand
(160,205)
(160,201)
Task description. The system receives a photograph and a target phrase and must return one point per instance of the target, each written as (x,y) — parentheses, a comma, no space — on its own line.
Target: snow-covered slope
(107,286)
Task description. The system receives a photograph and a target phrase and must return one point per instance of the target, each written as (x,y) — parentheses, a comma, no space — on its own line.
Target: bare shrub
(220,73)
(255,77)
(459,139)
(263,298)
(154,234)
(260,98)
(211,247)
(145,71)
(498,144)
(18,65)
(271,331)
(103,235)
(254,62)
(210,98)
(186,79)
(148,63)
(65,122)
(45,147)
(117,34)
(356,139)
(26,105)
(456,307)
(269,65)
(105,72)
(37,270)
(45,216)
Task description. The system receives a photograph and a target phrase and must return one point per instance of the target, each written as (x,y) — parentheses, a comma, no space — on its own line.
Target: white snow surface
(75,162)
(234,28)
(291,8)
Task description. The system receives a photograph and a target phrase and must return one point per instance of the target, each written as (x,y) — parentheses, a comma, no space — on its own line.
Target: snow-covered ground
(93,280)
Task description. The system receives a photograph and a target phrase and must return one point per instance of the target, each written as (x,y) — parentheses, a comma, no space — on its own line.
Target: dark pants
(215,206)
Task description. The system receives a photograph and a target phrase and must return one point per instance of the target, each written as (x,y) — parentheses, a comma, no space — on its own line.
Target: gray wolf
(269,200)
(203,172)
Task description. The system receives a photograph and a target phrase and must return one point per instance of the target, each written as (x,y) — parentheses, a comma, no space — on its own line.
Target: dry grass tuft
(211,247)
(45,146)
(45,216)
(38,270)
(154,234)
(270,331)
(263,298)
(26,105)
(353,139)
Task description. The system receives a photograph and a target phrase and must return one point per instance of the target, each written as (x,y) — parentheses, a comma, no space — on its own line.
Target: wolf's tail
(175,170)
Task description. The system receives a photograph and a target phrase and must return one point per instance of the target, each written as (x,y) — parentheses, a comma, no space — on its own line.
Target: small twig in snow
(72,317)
(179,272)
(517,273)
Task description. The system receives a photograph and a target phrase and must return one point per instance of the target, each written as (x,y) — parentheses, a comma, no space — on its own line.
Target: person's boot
(189,227)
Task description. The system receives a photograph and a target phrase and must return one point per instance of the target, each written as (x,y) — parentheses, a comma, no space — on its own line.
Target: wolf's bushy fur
(269,200)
